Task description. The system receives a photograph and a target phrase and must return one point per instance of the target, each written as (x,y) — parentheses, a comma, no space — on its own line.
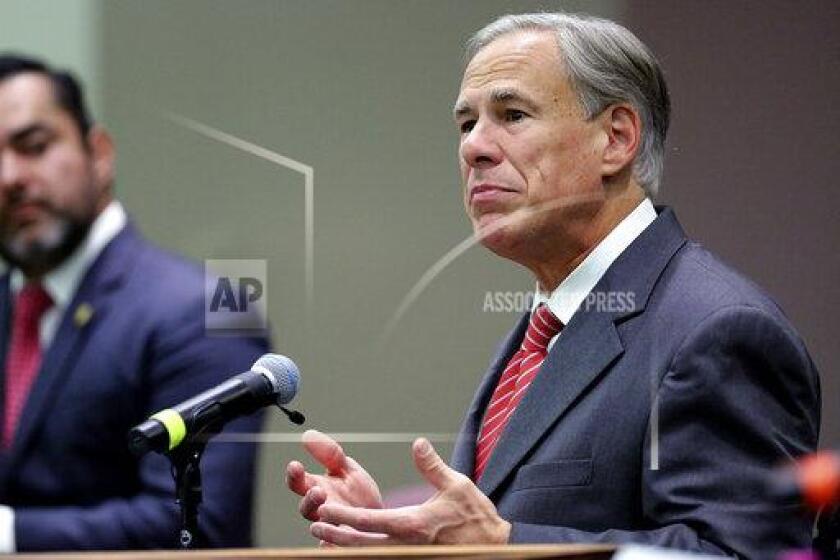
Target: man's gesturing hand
(458,513)
(345,481)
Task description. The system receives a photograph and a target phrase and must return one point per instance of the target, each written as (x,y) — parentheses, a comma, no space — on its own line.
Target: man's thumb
(430,465)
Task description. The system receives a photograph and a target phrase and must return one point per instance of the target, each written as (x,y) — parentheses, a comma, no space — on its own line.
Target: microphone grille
(282,373)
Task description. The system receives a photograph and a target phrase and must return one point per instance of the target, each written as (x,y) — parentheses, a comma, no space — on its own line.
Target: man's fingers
(297,479)
(351,465)
(325,450)
(430,465)
(347,536)
(311,501)
(394,522)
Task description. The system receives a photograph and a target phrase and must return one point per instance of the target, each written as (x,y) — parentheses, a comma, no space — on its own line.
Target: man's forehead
(24,98)
(512,59)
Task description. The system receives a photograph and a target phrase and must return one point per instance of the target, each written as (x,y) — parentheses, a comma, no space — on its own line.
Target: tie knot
(542,327)
(33,300)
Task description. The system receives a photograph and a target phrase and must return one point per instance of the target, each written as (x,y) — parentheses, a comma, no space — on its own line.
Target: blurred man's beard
(36,257)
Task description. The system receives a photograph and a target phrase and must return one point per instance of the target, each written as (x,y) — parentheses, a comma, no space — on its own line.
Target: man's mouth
(25,213)
(488,193)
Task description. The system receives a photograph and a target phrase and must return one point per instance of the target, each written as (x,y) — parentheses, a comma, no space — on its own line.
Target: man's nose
(13,171)
(480,148)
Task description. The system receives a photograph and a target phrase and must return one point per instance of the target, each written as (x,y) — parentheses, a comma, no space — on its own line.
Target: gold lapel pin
(83,313)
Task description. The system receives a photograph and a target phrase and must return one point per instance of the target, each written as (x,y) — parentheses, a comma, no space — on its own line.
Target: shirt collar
(61,282)
(567,297)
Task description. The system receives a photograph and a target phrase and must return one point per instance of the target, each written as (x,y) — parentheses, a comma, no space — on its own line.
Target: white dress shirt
(567,297)
(61,284)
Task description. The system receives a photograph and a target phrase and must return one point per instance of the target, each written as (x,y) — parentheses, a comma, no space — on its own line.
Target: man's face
(529,158)
(49,192)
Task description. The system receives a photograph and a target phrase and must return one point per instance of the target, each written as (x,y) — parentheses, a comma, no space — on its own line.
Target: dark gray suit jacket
(659,423)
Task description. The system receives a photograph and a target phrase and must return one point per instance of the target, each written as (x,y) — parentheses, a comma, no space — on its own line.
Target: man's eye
(33,148)
(467,126)
(514,115)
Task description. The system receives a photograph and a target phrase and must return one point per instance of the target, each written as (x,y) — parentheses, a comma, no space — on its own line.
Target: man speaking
(657,422)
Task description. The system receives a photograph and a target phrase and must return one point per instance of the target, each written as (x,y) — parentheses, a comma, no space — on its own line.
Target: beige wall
(65,33)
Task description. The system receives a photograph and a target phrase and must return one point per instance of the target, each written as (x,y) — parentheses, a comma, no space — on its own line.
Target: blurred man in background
(98,330)
(650,392)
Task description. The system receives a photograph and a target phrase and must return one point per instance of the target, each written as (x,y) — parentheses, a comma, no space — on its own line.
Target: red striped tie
(513,384)
(24,357)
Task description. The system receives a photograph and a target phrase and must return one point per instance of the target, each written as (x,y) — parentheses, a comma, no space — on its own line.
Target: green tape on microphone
(174,425)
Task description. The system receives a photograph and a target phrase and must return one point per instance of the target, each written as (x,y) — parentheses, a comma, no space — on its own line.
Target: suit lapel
(586,349)
(88,307)
(463,455)
(588,344)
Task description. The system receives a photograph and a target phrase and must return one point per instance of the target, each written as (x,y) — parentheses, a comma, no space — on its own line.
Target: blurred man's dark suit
(659,424)
(69,475)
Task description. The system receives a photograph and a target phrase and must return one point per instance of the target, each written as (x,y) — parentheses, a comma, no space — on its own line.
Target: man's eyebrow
(497,96)
(461,109)
(34,128)
(506,95)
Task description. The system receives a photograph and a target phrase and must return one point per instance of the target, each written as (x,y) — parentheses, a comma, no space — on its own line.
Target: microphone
(813,480)
(273,379)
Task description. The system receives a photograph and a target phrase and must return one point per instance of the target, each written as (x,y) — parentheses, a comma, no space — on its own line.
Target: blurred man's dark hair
(68,92)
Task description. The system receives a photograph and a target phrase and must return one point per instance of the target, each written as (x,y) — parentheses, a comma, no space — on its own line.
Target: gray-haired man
(657,422)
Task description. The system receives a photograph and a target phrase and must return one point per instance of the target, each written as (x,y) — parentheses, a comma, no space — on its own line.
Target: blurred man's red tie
(24,354)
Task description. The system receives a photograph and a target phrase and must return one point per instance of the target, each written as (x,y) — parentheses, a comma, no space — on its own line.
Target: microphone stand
(186,470)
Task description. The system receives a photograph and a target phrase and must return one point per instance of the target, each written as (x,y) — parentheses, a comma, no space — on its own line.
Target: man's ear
(102,155)
(623,129)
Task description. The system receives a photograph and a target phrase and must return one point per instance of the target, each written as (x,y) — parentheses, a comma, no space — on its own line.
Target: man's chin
(499,237)
(39,250)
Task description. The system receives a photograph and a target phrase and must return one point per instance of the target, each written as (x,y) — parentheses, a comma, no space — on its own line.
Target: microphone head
(282,373)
